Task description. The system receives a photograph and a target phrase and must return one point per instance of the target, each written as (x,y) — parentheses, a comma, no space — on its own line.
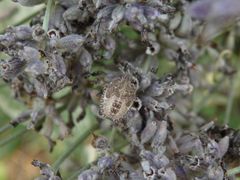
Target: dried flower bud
(223,146)
(186,26)
(69,3)
(186,88)
(53,33)
(110,45)
(215,173)
(106,162)
(157,88)
(175,21)
(167,174)
(45,170)
(70,43)
(153,49)
(100,143)
(134,122)
(86,60)
(6,40)
(145,81)
(117,16)
(39,34)
(135,16)
(29,54)
(35,68)
(188,142)
(56,20)
(22,32)
(89,175)
(154,105)
(40,87)
(104,13)
(148,131)
(160,135)
(11,68)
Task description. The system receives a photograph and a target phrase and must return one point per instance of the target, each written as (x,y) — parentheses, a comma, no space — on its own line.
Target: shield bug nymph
(118,97)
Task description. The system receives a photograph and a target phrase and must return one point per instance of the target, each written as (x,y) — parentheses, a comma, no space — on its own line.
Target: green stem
(233,171)
(230,101)
(120,146)
(114,130)
(13,137)
(205,99)
(5,127)
(24,20)
(50,4)
(146,65)
(85,133)
(75,174)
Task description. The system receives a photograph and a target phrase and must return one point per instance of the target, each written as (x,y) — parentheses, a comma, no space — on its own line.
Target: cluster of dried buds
(121,43)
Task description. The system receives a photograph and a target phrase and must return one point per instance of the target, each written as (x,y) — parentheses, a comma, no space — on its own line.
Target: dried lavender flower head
(100,143)
(118,97)
(84,37)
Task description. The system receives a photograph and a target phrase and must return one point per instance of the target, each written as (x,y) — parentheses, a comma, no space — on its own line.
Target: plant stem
(205,99)
(233,171)
(230,101)
(75,174)
(13,137)
(24,20)
(47,14)
(5,127)
(85,133)
(114,130)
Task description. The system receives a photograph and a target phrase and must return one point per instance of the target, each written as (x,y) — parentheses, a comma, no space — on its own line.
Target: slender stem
(230,101)
(204,99)
(75,174)
(120,146)
(114,130)
(233,171)
(85,133)
(13,137)
(47,14)
(5,127)
(146,65)
(24,20)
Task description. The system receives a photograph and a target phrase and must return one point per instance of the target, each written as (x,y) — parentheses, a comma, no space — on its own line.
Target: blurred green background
(18,149)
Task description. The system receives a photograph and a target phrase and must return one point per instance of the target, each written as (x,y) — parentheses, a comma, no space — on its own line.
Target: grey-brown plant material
(135,68)
(45,170)
(11,68)
(100,143)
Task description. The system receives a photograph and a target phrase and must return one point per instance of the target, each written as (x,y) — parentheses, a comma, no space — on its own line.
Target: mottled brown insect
(118,97)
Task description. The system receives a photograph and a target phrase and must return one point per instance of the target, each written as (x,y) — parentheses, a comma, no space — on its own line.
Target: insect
(118,97)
